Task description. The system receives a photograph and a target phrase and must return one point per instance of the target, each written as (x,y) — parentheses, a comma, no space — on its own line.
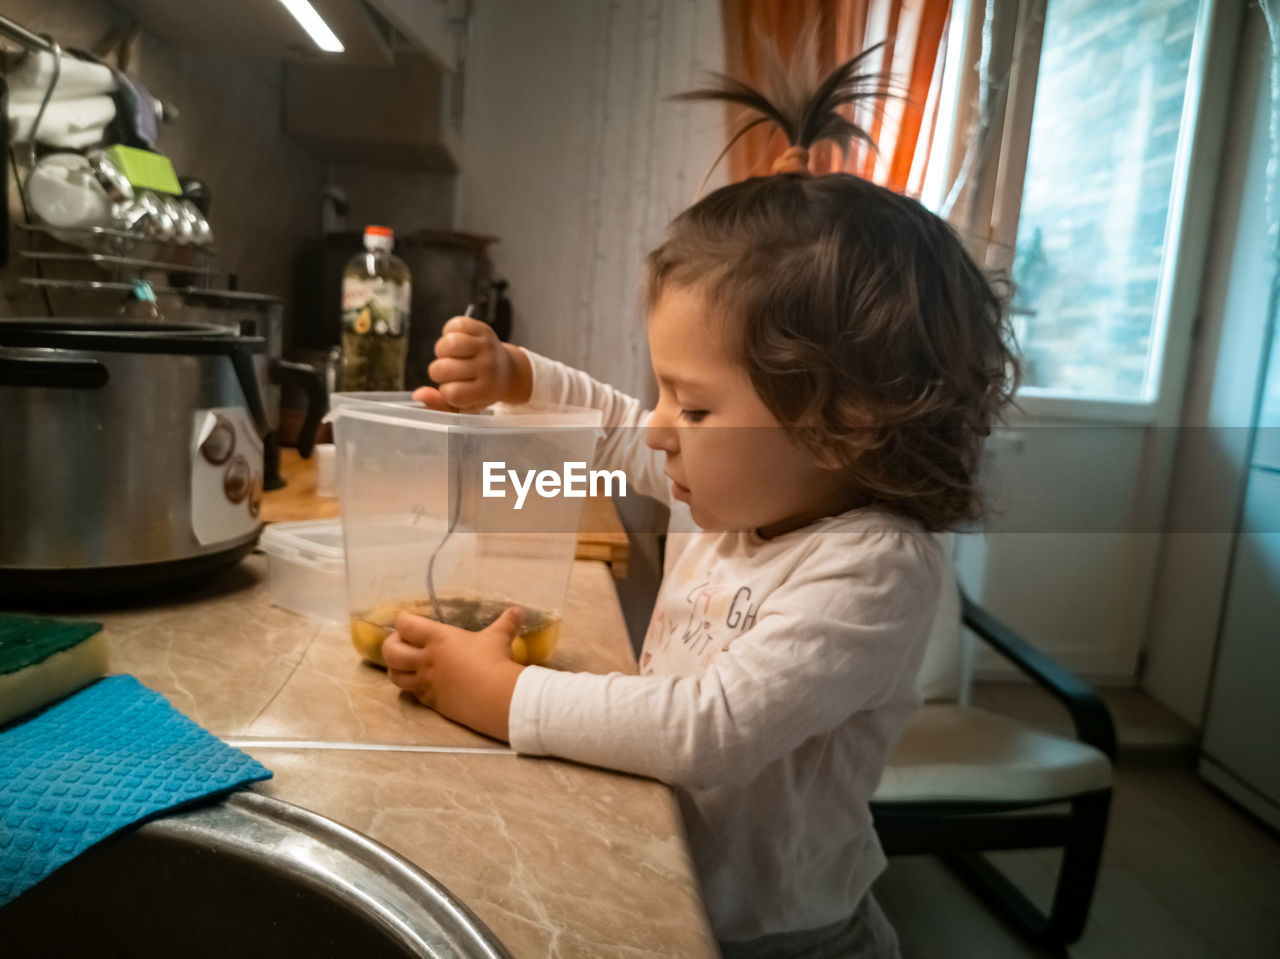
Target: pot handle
(310,381)
(54,372)
(242,362)
(4,173)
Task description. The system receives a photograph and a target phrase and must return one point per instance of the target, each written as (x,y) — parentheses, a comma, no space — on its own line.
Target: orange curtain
(913,58)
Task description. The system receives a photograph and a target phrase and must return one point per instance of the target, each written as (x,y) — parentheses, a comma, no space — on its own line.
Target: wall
(574,159)
(265,186)
(1218,406)
(405,200)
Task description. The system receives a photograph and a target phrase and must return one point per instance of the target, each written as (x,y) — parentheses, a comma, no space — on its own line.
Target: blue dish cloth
(113,754)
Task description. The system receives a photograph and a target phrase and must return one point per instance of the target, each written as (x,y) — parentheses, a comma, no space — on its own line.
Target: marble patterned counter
(556,858)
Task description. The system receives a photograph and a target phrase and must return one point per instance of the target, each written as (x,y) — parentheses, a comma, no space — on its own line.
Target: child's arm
(833,646)
(474,369)
(623,445)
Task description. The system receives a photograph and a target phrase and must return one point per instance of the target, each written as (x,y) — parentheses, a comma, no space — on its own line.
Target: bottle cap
(379,236)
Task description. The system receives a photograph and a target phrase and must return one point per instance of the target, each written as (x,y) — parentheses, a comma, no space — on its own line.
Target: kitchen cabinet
(429,26)
(370,30)
(384,100)
(386,116)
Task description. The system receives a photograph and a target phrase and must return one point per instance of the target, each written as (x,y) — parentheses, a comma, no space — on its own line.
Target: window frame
(1182,263)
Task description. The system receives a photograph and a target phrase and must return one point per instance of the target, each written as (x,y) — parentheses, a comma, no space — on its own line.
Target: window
(1097,194)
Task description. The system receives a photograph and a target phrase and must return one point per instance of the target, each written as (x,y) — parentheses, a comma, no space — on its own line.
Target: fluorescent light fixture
(316,28)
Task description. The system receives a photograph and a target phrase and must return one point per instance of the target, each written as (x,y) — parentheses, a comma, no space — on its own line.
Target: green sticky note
(145,170)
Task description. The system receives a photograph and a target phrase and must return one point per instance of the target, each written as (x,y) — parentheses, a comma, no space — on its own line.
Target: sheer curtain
(915,30)
(991,119)
(956,137)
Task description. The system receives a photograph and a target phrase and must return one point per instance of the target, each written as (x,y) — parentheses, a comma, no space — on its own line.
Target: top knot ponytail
(793,160)
(804,108)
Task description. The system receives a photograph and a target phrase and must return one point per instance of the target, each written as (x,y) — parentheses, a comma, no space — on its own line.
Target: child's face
(727,455)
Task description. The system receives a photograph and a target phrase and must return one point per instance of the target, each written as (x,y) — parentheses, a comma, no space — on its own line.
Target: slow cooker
(131,458)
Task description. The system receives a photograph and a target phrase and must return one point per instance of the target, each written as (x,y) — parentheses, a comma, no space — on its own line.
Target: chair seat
(961,753)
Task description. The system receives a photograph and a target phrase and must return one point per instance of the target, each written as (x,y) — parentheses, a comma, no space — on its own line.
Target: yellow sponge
(45,659)
(145,170)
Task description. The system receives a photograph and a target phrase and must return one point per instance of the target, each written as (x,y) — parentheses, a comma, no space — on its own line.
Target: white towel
(76,78)
(68,124)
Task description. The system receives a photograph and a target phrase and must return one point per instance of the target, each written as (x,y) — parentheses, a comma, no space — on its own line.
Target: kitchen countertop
(242,667)
(558,859)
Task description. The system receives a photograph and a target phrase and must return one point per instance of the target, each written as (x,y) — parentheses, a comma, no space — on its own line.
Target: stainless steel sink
(246,877)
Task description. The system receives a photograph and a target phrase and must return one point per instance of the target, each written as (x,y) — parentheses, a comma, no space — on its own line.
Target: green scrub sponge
(145,170)
(45,659)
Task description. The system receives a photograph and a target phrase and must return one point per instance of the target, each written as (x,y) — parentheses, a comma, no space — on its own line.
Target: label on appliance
(375,305)
(226,475)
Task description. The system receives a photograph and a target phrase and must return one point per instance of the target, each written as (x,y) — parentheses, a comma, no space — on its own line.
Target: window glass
(1095,201)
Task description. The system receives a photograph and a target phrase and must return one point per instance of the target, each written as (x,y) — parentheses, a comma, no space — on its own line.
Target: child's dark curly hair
(864,324)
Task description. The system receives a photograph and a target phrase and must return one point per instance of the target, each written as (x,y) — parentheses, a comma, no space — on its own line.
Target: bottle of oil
(375,316)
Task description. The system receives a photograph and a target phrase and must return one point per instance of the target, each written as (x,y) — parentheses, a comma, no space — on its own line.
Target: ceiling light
(316,28)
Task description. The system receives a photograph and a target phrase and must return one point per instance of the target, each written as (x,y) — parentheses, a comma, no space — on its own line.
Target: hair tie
(793,160)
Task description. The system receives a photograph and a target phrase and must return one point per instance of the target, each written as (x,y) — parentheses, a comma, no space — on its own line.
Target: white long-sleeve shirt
(774,677)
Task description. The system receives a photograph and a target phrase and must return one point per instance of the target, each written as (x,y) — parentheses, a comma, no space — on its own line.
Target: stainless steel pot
(132,457)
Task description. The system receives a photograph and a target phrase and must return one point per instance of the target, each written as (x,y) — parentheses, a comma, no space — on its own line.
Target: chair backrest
(943,674)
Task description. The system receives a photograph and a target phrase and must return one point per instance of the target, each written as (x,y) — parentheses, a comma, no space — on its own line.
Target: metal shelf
(225,297)
(104,259)
(116,238)
(87,231)
(121,258)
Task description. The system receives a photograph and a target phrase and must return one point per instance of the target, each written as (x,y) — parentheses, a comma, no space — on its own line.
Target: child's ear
(825,452)
(831,459)
(837,445)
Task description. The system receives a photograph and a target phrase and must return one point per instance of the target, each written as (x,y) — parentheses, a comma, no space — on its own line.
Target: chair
(963,781)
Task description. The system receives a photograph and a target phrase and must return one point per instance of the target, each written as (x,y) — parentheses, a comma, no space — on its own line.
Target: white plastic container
(420,517)
(306,568)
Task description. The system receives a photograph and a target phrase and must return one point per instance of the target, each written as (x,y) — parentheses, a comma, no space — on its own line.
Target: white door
(1121,172)
(1245,697)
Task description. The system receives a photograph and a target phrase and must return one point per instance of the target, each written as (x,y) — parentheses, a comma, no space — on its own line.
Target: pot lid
(121,336)
(89,324)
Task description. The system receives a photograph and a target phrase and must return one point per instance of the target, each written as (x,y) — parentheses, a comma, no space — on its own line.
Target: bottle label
(375,305)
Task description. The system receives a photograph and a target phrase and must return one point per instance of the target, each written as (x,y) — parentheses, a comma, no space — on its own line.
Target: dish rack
(149,234)
(95,272)
(102,259)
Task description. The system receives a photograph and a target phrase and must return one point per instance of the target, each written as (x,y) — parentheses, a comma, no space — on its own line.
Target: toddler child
(828,360)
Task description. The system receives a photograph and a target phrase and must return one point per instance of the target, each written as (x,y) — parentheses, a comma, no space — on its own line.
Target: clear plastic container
(416,484)
(306,568)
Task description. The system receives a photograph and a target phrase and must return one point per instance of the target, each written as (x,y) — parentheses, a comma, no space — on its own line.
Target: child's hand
(468,677)
(474,369)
